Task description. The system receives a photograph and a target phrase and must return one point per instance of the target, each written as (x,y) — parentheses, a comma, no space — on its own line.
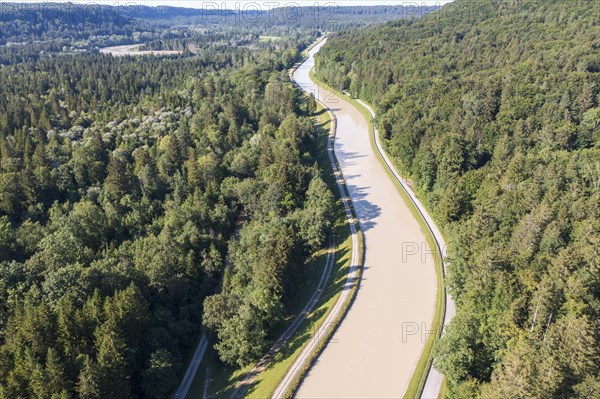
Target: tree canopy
(128,188)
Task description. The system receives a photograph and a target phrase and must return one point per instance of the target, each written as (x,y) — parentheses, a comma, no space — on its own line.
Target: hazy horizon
(260,5)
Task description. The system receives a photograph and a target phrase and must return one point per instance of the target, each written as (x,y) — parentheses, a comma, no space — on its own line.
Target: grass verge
(444,389)
(419,377)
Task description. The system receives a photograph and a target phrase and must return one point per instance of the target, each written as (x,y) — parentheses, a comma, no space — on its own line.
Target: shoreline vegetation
(186,187)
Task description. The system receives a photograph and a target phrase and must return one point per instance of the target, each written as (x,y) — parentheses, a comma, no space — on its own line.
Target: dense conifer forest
(133,188)
(492,109)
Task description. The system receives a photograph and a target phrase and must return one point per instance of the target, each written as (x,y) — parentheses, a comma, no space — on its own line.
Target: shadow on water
(348,158)
(366,211)
(347,155)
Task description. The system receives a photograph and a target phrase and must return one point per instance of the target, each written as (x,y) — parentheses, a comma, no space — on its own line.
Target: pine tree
(311,104)
(55,372)
(120,180)
(315,220)
(113,381)
(88,386)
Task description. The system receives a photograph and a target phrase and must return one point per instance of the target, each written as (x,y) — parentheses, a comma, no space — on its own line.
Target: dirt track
(373,353)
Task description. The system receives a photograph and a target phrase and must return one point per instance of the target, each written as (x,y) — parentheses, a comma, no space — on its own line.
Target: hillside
(41,22)
(491,108)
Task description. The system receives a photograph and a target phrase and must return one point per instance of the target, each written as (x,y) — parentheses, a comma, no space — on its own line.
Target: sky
(243,4)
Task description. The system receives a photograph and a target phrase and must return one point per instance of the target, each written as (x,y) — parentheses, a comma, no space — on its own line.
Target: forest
(491,108)
(142,198)
(32,31)
(26,29)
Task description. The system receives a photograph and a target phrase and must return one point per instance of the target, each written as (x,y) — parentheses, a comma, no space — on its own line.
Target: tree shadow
(347,158)
(366,211)
(320,112)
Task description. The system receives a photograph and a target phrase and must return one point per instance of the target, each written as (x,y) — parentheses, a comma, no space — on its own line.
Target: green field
(269,38)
